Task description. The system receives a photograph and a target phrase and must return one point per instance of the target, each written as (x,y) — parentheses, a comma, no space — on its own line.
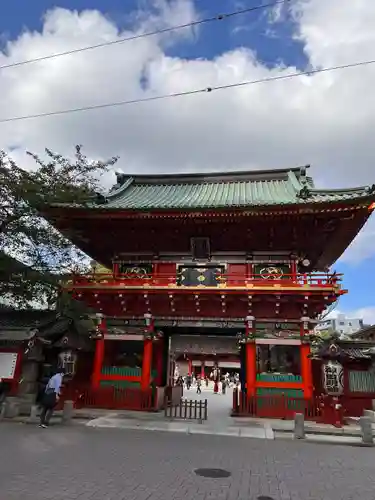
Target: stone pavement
(219,420)
(221,424)
(81,463)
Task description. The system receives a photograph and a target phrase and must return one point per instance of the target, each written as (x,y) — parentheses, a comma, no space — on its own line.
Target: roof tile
(220,194)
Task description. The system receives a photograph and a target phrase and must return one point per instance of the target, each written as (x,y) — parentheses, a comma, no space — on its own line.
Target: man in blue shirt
(51,397)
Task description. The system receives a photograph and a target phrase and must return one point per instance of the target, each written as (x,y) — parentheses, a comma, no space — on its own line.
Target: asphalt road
(80,463)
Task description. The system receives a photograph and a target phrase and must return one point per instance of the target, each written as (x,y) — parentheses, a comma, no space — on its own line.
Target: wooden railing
(354,404)
(319,280)
(186,410)
(275,406)
(323,409)
(109,398)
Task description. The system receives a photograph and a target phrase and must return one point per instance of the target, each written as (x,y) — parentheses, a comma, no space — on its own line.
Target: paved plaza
(83,463)
(219,420)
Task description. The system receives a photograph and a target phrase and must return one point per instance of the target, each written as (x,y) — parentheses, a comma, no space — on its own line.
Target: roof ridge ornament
(303,174)
(123,181)
(304,193)
(121,178)
(100,199)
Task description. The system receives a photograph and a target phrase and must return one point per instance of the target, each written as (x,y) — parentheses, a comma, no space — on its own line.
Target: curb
(326,432)
(312,438)
(186,429)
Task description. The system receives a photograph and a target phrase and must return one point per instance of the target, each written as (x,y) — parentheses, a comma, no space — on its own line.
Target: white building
(341,325)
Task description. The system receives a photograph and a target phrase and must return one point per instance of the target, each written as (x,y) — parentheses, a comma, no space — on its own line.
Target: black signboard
(199,275)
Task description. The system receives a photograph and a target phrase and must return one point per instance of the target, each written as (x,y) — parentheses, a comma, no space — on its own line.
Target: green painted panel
(278,377)
(360,381)
(279,391)
(296,405)
(125,371)
(119,384)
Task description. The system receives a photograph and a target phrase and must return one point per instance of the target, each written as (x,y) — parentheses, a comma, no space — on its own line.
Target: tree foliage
(34,255)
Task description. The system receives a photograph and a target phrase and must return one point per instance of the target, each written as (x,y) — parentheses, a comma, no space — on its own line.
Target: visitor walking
(51,397)
(223,386)
(199,384)
(4,389)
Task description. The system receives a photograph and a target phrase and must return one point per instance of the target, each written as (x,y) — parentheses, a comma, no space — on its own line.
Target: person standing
(4,389)
(50,397)
(199,384)
(223,386)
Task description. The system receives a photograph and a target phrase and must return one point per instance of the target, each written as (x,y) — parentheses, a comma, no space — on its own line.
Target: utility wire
(218,17)
(189,92)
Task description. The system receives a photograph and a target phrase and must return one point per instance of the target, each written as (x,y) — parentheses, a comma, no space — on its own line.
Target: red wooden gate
(275,406)
(109,398)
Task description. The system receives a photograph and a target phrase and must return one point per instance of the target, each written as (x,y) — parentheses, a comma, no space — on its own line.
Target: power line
(189,92)
(218,17)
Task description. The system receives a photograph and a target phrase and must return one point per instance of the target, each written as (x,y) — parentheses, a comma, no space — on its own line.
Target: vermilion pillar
(99,354)
(306,371)
(147,353)
(305,350)
(293,269)
(146,364)
(203,375)
(251,361)
(190,366)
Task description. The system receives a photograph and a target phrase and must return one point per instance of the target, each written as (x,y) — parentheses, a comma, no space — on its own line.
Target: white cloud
(365,313)
(325,120)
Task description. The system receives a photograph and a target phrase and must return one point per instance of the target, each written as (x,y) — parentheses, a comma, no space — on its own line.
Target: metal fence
(187,409)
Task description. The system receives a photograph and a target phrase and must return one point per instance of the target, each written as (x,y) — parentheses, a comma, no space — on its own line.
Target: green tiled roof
(240,189)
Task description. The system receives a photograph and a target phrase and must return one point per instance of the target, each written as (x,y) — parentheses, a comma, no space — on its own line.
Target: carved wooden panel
(272,271)
(135,270)
(201,344)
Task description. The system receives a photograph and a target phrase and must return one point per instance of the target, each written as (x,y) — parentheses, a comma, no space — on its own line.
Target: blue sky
(273,44)
(250,30)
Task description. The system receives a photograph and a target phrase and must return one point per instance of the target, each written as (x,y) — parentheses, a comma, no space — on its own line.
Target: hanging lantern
(305,323)
(333,378)
(148,319)
(68,360)
(249,322)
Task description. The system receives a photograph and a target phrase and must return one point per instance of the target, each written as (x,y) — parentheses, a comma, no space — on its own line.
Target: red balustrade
(323,409)
(354,405)
(275,406)
(108,398)
(322,280)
